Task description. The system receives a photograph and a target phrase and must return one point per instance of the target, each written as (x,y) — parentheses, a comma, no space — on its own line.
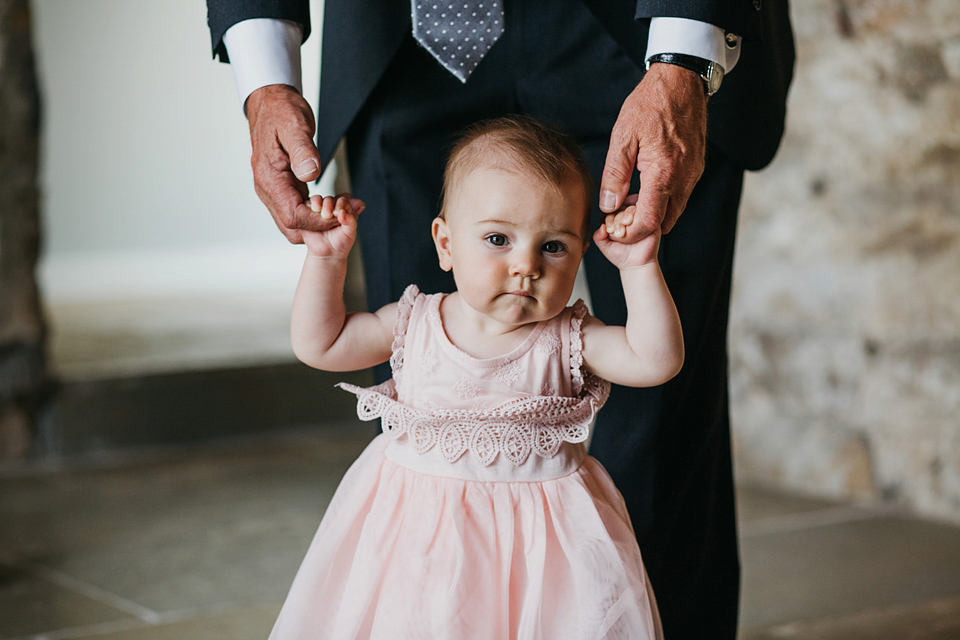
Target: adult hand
(284,157)
(661,131)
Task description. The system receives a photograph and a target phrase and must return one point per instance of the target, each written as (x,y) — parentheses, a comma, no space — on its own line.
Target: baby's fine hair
(520,144)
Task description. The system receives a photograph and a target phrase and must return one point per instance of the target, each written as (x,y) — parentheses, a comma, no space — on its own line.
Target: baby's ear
(441,240)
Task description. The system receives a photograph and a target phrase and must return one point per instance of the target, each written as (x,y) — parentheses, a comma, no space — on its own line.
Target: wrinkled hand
(661,132)
(339,216)
(620,251)
(284,157)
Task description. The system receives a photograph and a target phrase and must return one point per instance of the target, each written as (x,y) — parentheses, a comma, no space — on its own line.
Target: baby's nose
(525,265)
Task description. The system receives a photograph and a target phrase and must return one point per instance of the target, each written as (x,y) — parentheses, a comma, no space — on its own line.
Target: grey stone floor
(203,543)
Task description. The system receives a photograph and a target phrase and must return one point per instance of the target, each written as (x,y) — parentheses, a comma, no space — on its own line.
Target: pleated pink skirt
(402,554)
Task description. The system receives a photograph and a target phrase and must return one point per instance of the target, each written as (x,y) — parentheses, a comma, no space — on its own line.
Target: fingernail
(314,205)
(305,168)
(608,200)
(627,219)
(326,215)
(620,232)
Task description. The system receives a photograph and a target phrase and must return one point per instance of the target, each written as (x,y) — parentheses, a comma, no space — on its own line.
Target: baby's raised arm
(648,351)
(322,333)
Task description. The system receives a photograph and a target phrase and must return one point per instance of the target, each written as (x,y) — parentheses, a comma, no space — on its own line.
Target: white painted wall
(146,181)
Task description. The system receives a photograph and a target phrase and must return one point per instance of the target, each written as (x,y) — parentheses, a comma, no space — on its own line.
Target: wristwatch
(710,72)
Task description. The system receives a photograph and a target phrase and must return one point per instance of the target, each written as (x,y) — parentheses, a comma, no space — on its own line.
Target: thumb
(304,157)
(348,223)
(603,241)
(617,171)
(358,205)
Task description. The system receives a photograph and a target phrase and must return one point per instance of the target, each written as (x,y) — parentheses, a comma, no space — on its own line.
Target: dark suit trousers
(667,448)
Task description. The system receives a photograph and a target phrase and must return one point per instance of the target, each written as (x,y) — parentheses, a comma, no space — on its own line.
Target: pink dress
(477,514)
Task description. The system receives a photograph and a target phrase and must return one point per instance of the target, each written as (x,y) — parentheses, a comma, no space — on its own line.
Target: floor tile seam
(112,626)
(131,624)
(66,581)
(297,441)
(116,460)
(786,629)
(809,520)
(211,610)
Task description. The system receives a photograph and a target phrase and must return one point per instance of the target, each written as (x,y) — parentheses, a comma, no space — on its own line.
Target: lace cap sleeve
(404,310)
(578,313)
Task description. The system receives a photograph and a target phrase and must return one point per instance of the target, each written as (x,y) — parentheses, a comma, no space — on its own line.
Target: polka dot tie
(458,33)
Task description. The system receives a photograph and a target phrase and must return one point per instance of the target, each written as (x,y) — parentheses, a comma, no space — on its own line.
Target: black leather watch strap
(710,72)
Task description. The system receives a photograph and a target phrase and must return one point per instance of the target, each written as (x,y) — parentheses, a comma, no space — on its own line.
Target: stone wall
(22,369)
(845,336)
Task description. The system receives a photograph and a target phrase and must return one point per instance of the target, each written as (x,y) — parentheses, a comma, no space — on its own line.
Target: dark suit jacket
(746,117)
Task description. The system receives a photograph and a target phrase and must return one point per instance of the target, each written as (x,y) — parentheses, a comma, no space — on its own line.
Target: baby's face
(514,243)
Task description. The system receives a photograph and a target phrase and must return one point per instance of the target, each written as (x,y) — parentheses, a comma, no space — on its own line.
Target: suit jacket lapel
(360,38)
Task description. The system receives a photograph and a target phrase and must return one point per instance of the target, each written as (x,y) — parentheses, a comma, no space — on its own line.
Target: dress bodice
(484,418)
(432,365)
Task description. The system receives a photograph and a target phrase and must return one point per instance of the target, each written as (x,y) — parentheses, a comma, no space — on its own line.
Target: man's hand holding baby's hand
(336,241)
(620,243)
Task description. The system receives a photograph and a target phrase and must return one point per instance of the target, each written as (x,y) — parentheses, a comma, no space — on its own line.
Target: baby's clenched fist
(340,215)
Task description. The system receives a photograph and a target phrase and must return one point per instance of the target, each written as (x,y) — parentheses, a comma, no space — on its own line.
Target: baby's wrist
(638,267)
(326,259)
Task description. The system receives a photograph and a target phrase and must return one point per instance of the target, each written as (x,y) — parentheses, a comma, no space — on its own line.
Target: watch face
(713,78)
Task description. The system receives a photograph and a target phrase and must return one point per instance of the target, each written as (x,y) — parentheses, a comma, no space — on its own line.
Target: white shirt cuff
(693,38)
(264,51)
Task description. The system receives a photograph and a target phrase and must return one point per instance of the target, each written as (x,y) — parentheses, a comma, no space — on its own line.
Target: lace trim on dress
(576,346)
(404,309)
(515,428)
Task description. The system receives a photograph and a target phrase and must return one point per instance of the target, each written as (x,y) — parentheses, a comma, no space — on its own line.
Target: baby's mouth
(521,293)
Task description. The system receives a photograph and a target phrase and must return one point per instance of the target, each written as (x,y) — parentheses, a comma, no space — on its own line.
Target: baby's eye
(554,246)
(497,239)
